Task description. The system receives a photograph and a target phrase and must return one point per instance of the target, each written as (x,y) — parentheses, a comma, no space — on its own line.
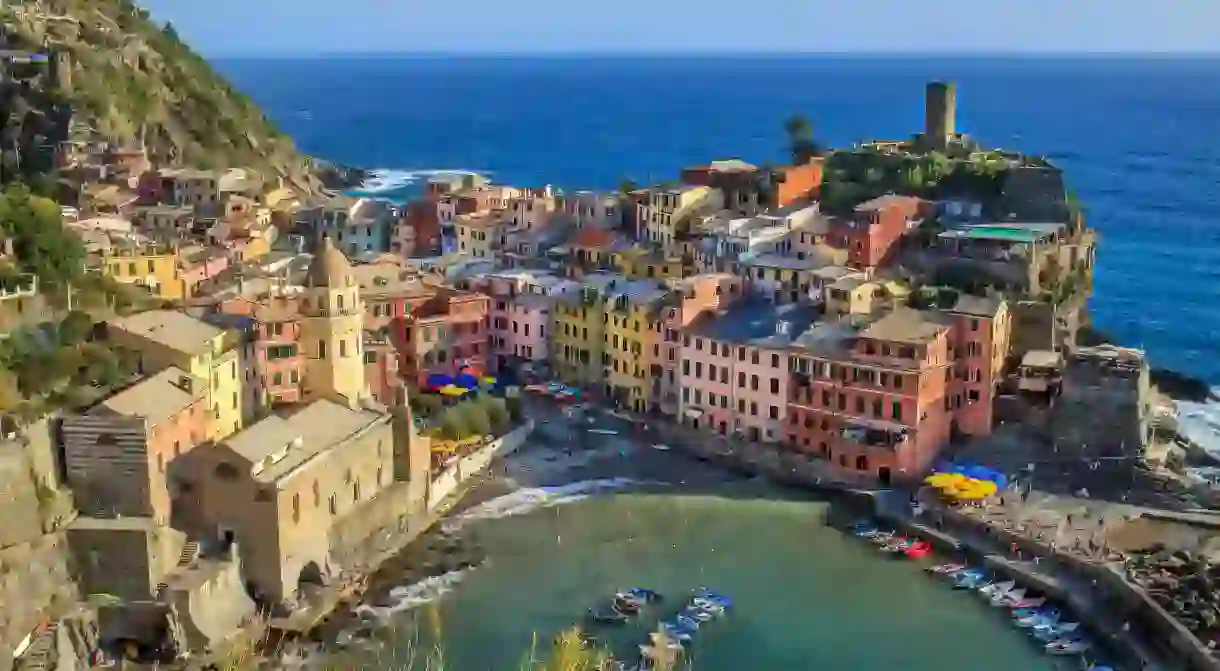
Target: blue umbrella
(439,380)
(466,380)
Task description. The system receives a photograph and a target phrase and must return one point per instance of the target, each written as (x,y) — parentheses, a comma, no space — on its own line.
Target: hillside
(104,69)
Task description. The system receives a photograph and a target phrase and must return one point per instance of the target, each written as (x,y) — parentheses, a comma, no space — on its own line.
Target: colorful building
(694,296)
(634,314)
(875,228)
(639,263)
(665,216)
(166,338)
(444,332)
(577,334)
(735,367)
(119,453)
(155,268)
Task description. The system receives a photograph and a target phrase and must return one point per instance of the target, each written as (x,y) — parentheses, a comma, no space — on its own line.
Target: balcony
(874,433)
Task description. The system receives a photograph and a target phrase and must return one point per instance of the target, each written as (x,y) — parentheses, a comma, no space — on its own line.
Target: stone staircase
(38,656)
(190,550)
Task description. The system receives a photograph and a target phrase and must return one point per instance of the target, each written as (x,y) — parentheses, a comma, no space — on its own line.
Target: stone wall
(35,567)
(208,601)
(448,480)
(35,583)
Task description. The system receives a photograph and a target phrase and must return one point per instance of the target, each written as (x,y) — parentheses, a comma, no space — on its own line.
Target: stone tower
(940,114)
(332,331)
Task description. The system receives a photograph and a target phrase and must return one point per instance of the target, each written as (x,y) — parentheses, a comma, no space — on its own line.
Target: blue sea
(1139,137)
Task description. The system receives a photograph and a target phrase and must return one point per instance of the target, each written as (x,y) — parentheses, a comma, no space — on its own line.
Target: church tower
(332,332)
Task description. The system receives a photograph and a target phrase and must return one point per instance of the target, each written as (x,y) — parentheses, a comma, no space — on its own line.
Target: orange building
(794,182)
(875,228)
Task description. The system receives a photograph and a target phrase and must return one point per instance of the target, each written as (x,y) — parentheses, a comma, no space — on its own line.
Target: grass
(567,652)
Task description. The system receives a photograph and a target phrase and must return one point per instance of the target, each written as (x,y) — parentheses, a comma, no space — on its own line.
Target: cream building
(332,330)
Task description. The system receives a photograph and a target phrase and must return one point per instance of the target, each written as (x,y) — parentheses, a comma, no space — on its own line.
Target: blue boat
(969,579)
(651,596)
(708,594)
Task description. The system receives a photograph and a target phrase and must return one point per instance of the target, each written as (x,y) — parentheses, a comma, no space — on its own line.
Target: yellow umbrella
(452,390)
(938,479)
(488,380)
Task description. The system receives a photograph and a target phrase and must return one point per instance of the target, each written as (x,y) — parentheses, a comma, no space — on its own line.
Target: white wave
(1200,422)
(383,180)
(413,596)
(528,500)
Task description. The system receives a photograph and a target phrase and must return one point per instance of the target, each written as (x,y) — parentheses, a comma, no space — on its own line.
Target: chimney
(184,383)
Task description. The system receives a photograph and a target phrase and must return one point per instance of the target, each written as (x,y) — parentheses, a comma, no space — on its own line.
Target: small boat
(919,549)
(687,623)
(969,580)
(882,537)
(705,593)
(707,605)
(898,545)
(626,604)
(656,638)
(1000,587)
(1028,602)
(1046,617)
(1003,599)
(865,532)
(675,632)
(946,569)
(648,595)
(1068,647)
(604,432)
(697,614)
(661,447)
(1051,632)
(607,615)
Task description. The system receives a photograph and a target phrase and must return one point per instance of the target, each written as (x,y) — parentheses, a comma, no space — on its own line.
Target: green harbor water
(806,597)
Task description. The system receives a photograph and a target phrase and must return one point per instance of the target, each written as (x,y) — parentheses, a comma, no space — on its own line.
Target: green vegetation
(134,82)
(855,176)
(801,142)
(479,416)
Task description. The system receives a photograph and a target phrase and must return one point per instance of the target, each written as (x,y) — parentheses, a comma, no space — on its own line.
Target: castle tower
(332,332)
(940,114)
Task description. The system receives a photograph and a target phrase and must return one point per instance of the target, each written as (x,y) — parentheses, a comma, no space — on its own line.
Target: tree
(627,185)
(75,328)
(477,421)
(453,425)
(497,412)
(800,140)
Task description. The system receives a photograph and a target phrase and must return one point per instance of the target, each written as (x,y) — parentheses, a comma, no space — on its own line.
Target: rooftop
(154,398)
(1003,232)
(755,323)
(278,445)
(170,328)
(904,325)
(978,306)
(881,202)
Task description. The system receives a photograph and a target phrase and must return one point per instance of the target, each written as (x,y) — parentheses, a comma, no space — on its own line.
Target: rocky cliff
(123,78)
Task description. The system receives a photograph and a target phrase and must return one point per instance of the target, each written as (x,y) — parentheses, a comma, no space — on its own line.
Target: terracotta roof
(594,238)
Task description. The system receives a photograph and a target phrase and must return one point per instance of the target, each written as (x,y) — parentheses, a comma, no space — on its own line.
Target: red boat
(918,549)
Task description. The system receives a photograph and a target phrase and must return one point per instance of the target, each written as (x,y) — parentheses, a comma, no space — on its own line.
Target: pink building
(519,314)
(381,369)
(697,294)
(525,339)
(199,264)
(735,365)
(278,362)
(978,346)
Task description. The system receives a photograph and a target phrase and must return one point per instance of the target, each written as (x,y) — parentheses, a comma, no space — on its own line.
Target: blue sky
(233,27)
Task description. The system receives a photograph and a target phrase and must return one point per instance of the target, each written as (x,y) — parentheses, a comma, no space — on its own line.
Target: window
(234,400)
(972,395)
(334,505)
(296,508)
(774,412)
(370,357)
(321,349)
(278,379)
(897,408)
(342,348)
(753,409)
(226,471)
(974,323)
(877,408)
(294,377)
(741,354)
(339,301)
(774,385)
(775,361)
(754,383)
(754,357)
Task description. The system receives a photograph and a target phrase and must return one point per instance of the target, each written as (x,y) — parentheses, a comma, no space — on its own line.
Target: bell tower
(332,331)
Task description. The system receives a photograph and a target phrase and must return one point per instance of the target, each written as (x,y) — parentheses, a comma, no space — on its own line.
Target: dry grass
(567,652)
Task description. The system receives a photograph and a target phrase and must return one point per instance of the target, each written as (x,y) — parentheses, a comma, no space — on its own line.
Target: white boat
(707,605)
(1001,587)
(660,447)
(1036,619)
(656,638)
(604,432)
(946,569)
(1002,599)
(697,614)
(1068,647)
(1027,602)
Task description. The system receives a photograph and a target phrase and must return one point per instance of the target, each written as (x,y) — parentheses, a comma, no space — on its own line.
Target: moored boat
(1042,617)
(946,569)
(1068,647)
(705,593)
(1053,632)
(1003,599)
(991,590)
(1028,602)
(919,549)
(969,579)
(898,545)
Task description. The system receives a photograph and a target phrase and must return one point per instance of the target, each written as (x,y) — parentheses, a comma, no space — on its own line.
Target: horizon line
(697,53)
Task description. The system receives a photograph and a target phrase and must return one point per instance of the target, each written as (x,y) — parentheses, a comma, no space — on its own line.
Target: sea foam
(1200,422)
(385,181)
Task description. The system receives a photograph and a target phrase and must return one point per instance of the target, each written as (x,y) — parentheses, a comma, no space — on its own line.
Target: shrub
(454,425)
(477,421)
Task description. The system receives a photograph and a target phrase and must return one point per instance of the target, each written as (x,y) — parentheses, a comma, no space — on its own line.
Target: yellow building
(663,217)
(639,263)
(578,334)
(155,268)
(857,295)
(477,234)
(634,317)
(165,338)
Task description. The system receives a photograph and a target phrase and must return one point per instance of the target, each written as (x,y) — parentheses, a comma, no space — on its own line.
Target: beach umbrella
(488,380)
(438,380)
(939,479)
(452,390)
(466,380)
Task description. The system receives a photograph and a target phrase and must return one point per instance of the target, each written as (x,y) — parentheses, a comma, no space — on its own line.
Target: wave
(528,500)
(418,594)
(388,182)
(1200,422)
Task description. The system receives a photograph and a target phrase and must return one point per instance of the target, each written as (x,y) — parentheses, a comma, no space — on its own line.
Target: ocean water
(1139,138)
(806,598)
